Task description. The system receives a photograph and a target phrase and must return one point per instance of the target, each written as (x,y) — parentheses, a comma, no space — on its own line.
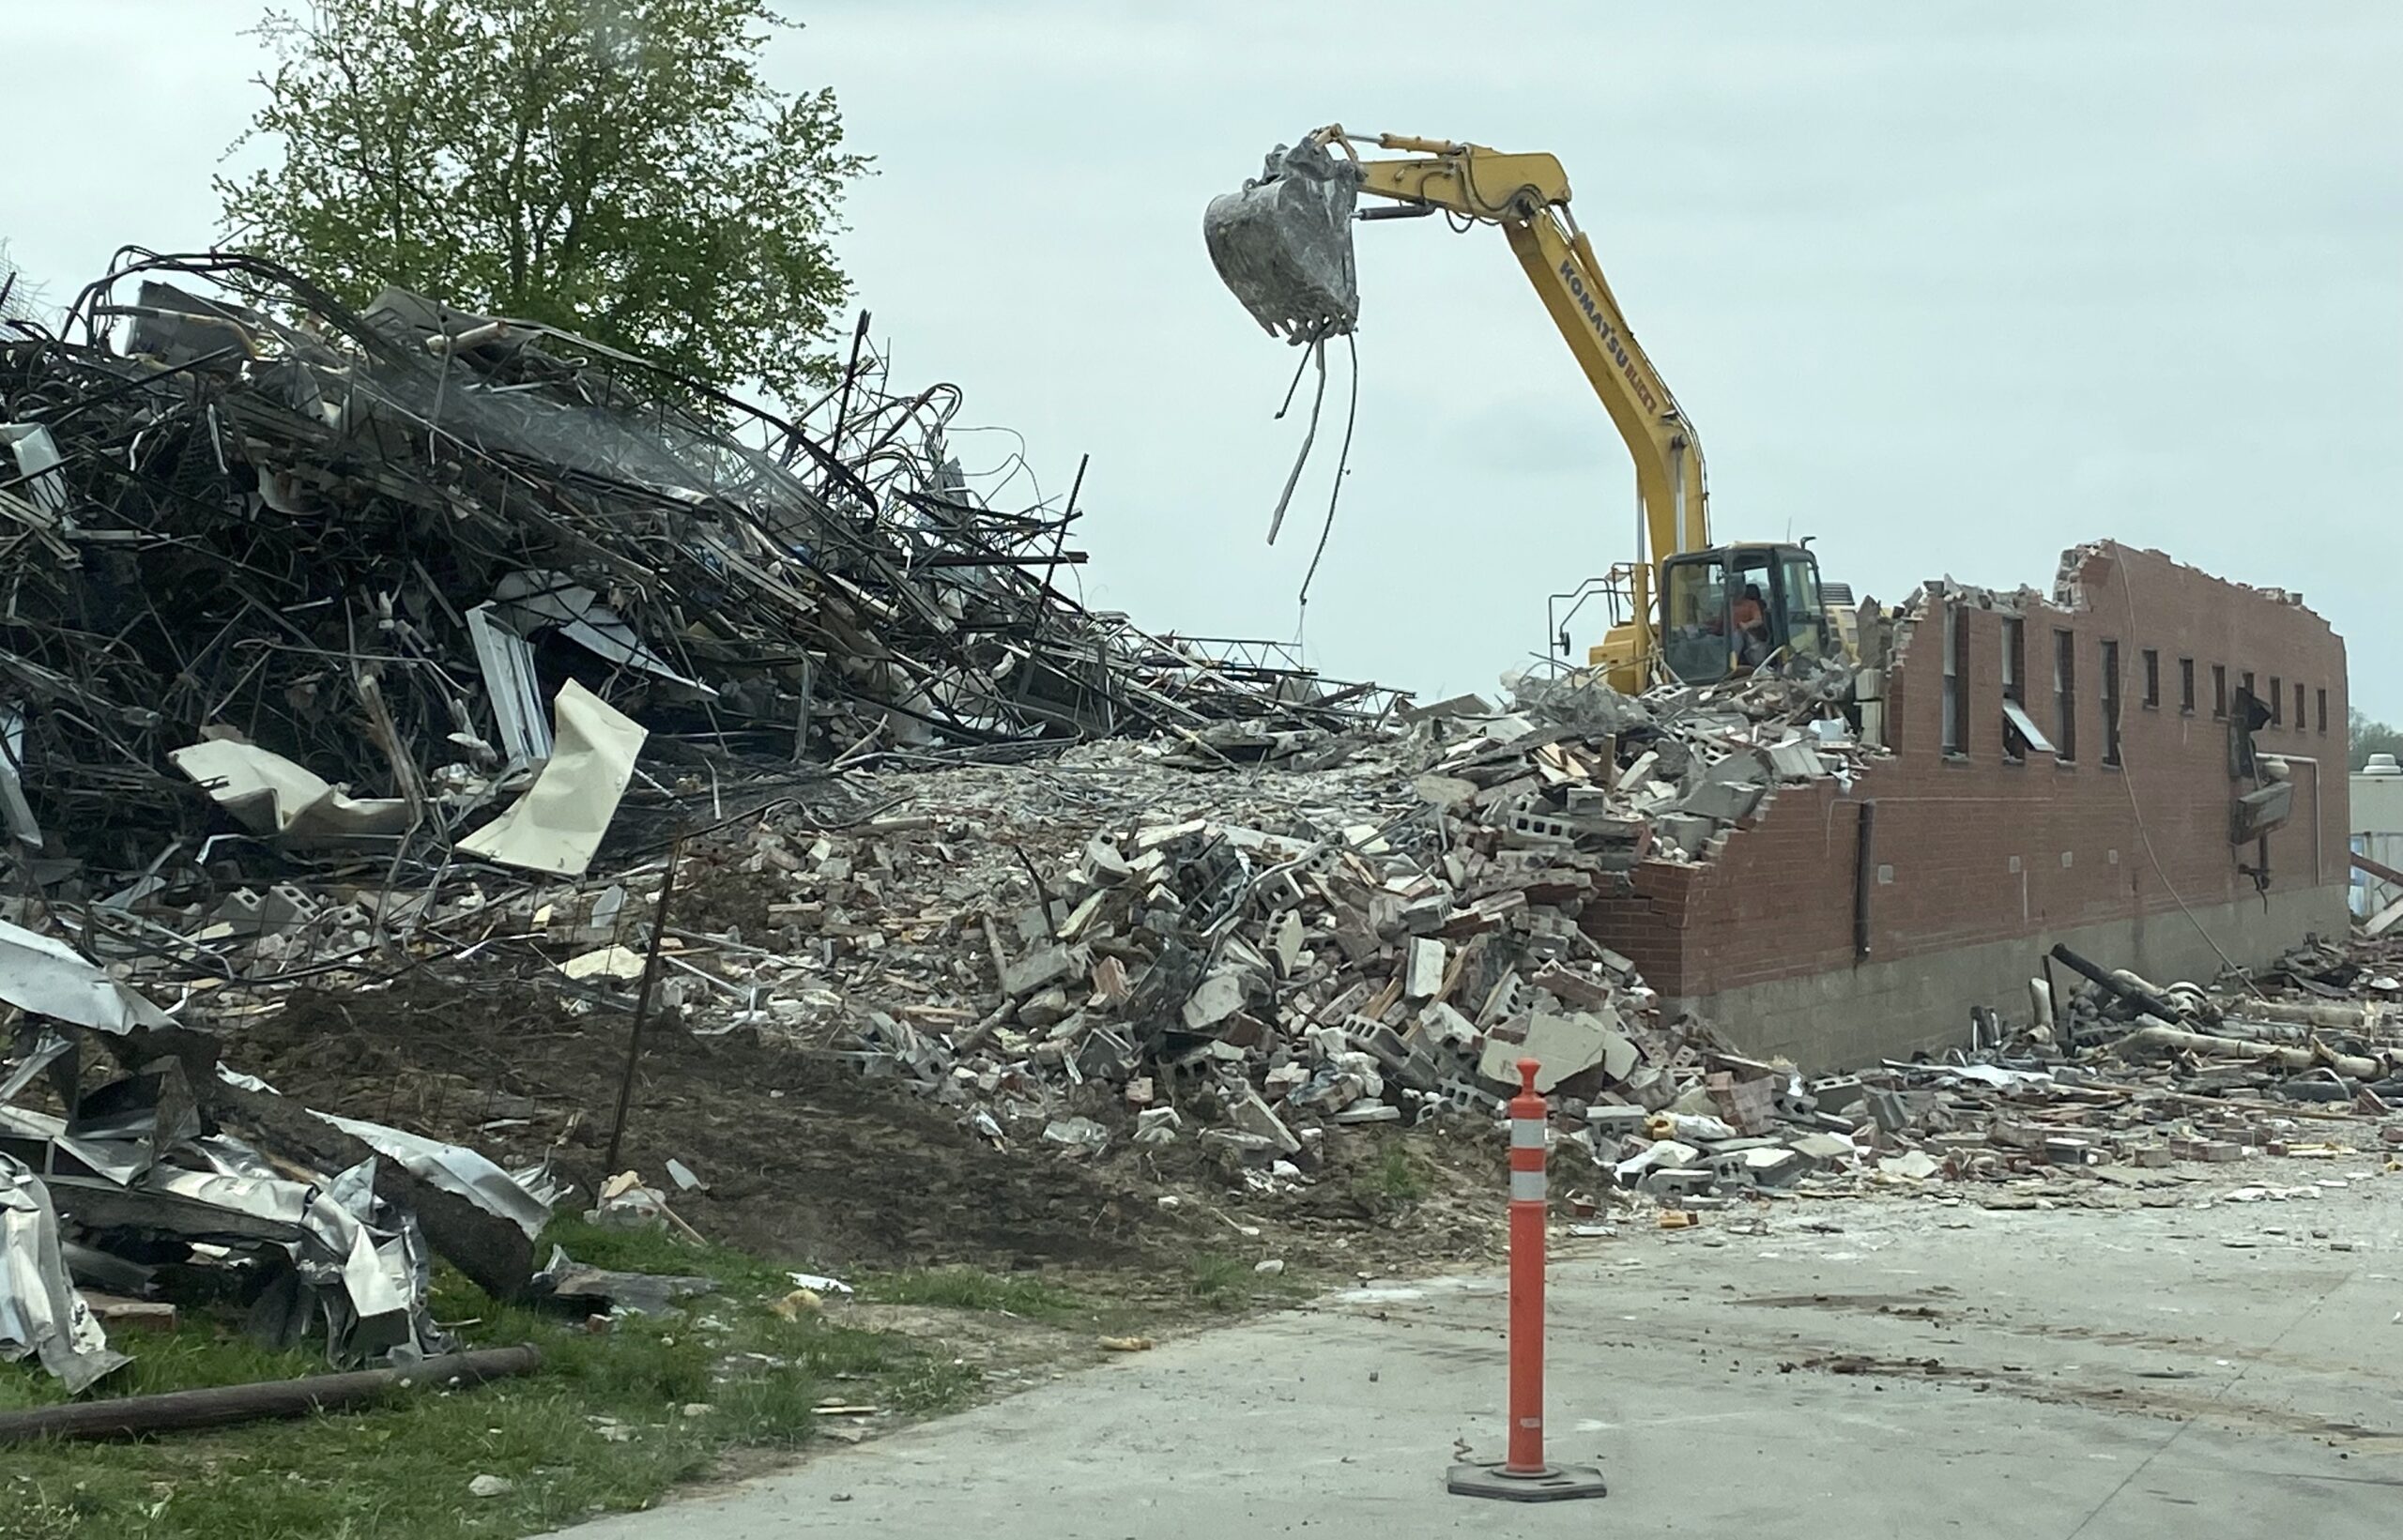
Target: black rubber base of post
(1554,1484)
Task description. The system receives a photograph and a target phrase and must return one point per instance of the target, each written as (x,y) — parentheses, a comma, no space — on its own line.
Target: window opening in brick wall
(2245,685)
(2186,685)
(2014,669)
(2219,692)
(2323,713)
(2110,703)
(1956,685)
(2065,695)
(2277,699)
(2298,708)
(2151,680)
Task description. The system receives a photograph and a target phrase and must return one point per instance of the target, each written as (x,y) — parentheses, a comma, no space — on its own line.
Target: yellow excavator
(1283,245)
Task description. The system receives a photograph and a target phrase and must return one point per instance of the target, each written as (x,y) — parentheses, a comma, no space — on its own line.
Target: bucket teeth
(1283,244)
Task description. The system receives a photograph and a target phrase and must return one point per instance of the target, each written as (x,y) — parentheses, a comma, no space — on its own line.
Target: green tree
(2368,738)
(615,168)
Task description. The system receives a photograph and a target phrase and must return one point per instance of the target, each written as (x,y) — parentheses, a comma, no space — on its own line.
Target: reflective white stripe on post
(1526,1134)
(1526,1187)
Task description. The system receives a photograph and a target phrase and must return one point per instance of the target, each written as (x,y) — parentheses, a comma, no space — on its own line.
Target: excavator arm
(1283,245)
(1527,196)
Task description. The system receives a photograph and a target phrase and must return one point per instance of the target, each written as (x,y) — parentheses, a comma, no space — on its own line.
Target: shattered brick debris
(1375,941)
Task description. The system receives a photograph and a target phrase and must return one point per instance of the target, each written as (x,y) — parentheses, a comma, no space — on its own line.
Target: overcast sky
(1949,286)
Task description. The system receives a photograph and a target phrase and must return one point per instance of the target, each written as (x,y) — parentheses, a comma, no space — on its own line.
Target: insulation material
(557,826)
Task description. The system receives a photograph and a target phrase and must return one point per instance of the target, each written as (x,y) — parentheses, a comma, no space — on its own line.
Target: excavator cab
(1731,609)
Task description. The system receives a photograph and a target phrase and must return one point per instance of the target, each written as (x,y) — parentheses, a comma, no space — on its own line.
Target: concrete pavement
(1918,1371)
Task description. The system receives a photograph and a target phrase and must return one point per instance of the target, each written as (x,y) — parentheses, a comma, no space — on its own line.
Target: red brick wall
(1777,901)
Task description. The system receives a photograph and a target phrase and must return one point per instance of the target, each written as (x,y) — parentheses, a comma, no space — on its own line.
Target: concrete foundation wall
(1857,1016)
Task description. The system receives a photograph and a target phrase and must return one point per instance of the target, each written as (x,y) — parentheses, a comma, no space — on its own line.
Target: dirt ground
(810,1162)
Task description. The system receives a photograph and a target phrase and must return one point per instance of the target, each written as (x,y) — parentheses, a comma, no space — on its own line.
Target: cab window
(1694,641)
(1802,622)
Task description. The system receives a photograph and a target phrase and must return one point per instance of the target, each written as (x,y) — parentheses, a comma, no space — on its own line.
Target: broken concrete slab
(1255,1117)
(1220,996)
(1563,1046)
(1045,964)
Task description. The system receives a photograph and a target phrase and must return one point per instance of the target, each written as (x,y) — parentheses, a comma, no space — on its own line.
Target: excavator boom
(1282,246)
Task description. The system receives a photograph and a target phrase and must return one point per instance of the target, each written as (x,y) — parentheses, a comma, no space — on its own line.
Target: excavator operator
(1752,627)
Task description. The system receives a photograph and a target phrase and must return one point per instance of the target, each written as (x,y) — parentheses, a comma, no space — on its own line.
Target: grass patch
(610,1422)
(972,1289)
(1219,1281)
(1396,1177)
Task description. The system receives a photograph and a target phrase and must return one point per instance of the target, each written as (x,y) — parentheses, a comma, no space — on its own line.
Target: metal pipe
(642,1004)
(1864,871)
(221,1406)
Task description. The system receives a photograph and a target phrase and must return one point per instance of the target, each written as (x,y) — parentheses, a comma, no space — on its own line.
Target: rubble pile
(1376,942)
(329,566)
(2119,1100)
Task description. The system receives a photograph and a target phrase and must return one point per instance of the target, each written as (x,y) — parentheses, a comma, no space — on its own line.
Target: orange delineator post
(1527,1207)
(1522,1477)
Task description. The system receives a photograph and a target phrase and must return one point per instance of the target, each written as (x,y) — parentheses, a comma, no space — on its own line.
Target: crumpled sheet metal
(40,1313)
(558,825)
(455,1169)
(365,1270)
(44,977)
(1283,244)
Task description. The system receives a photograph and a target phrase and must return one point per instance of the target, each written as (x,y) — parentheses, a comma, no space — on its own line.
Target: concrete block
(1724,801)
(1823,1150)
(1747,1105)
(1533,830)
(1366,1111)
(1424,970)
(1103,863)
(1651,1087)
(1285,942)
(1614,1122)
(1468,1100)
(1689,831)
(1775,1167)
(1447,1028)
(1572,987)
(1679,1181)
(1796,761)
(2067,1150)
(1381,1040)
(1836,1093)
(1281,890)
(1887,1110)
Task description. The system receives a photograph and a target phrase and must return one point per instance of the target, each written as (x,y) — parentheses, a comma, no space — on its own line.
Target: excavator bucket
(1283,244)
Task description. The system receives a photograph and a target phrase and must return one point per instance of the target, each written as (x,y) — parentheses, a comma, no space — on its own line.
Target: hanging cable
(1342,463)
(1318,354)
